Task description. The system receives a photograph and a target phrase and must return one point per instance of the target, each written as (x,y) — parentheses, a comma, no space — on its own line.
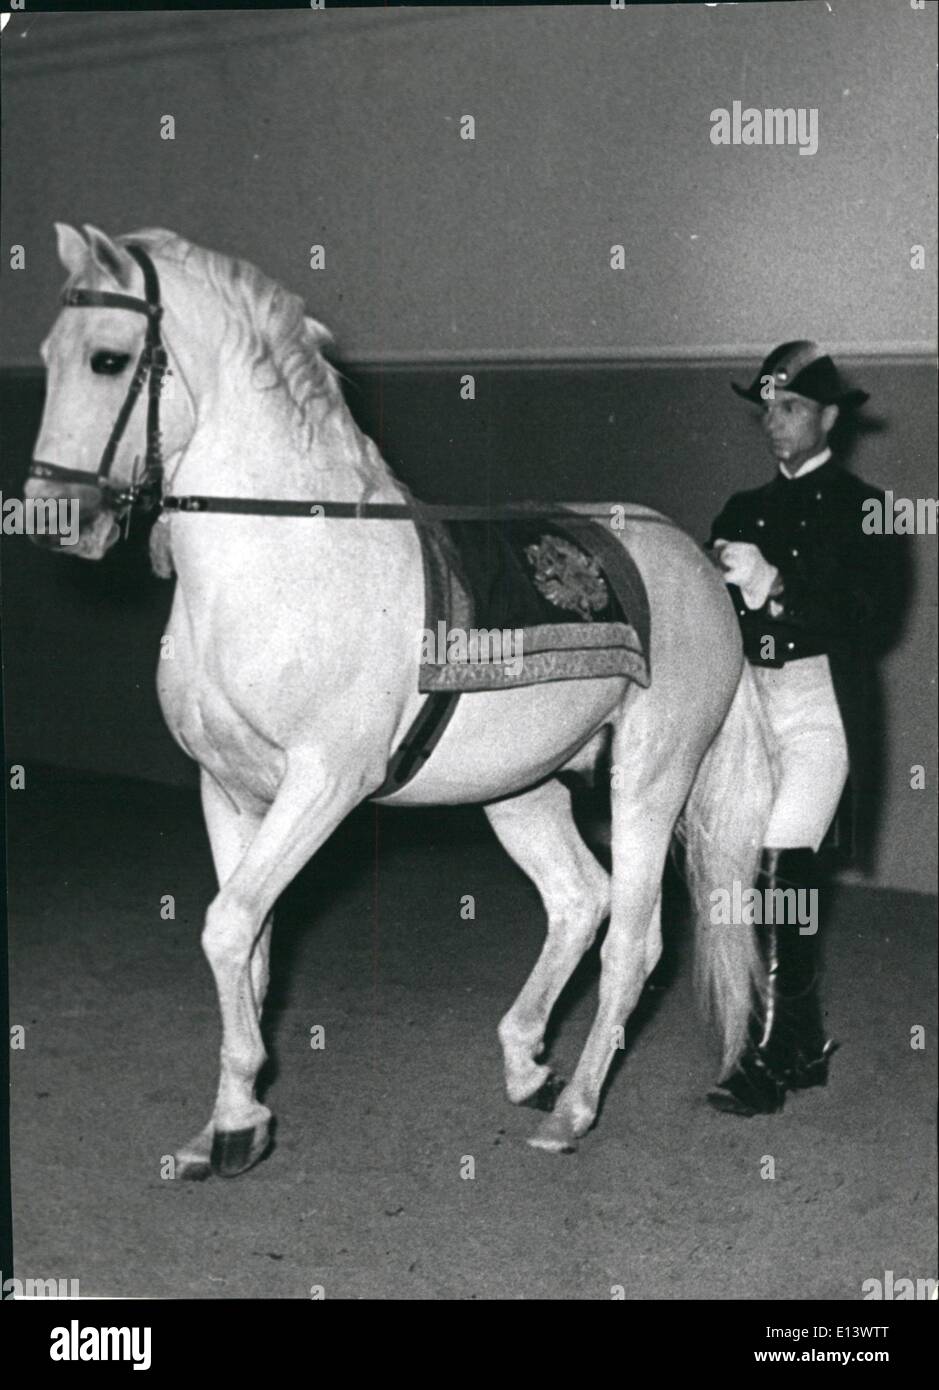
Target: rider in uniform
(816,597)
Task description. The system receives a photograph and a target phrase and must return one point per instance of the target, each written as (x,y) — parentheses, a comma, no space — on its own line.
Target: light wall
(592,129)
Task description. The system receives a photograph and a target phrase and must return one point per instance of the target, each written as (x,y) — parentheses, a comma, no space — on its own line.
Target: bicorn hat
(803,368)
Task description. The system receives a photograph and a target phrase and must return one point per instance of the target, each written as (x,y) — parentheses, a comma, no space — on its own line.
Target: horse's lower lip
(48,541)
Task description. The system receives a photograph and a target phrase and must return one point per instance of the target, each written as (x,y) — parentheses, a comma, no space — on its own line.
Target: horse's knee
(228,932)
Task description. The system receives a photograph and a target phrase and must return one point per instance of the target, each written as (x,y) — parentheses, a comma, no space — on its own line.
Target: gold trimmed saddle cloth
(517,602)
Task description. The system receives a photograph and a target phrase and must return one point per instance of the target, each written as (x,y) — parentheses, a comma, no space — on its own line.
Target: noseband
(143,492)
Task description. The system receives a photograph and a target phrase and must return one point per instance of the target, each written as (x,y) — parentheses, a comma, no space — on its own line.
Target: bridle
(143,491)
(146,491)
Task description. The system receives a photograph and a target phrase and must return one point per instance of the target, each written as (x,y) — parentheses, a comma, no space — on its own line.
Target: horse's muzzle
(69,517)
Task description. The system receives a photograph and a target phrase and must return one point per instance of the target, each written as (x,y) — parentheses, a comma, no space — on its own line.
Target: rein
(394,511)
(145,493)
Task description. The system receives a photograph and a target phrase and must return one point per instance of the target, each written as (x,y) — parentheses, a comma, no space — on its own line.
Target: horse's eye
(109,363)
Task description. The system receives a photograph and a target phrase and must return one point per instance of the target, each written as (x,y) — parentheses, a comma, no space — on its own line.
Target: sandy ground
(363,1193)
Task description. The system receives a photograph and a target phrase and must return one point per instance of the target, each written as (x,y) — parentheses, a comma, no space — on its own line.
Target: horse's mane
(282,343)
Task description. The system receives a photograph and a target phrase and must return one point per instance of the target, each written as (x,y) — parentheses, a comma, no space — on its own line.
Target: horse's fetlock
(579,1114)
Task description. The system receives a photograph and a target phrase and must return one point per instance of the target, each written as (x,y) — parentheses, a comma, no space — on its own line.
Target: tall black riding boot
(797,1049)
(787,1049)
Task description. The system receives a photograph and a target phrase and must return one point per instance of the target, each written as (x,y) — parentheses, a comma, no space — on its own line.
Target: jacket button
(790,646)
(760,521)
(794,553)
(803,522)
(818,497)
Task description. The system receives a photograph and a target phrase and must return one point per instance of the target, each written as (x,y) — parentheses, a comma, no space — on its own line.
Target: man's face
(795,427)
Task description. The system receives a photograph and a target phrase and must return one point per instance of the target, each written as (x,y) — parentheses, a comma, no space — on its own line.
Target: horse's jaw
(96,540)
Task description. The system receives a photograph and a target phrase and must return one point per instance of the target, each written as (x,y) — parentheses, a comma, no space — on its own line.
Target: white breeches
(812,751)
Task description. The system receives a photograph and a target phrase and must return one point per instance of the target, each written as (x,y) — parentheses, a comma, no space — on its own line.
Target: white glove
(743,564)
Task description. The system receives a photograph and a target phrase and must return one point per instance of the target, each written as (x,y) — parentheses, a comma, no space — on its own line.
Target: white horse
(294,674)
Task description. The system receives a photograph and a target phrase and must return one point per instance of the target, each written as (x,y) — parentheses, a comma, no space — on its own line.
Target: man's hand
(743,564)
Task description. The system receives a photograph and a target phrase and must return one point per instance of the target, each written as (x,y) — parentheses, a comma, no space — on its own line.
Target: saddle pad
(519,602)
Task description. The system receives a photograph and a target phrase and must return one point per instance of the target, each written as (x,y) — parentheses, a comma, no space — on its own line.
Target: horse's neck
(249,443)
(250,446)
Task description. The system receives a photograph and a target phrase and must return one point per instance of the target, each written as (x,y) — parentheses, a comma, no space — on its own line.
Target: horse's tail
(722,828)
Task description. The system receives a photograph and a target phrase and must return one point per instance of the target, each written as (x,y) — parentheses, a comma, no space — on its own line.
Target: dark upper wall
(81,640)
(593,125)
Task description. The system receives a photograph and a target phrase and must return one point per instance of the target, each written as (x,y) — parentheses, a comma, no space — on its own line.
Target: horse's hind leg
(538,831)
(644,814)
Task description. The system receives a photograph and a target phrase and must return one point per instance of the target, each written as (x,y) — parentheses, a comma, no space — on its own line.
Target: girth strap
(419,742)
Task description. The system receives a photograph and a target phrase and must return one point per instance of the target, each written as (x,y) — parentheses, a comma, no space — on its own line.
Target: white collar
(809,466)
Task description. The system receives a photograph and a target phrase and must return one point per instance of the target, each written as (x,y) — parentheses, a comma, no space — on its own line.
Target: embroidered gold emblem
(567,577)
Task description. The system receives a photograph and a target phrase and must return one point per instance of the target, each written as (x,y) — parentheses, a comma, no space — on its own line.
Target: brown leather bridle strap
(78,298)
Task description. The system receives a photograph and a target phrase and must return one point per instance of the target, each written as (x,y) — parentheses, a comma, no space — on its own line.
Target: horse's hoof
(192,1168)
(728,1104)
(554,1136)
(547,1093)
(551,1145)
(234,1151)
(194,1160)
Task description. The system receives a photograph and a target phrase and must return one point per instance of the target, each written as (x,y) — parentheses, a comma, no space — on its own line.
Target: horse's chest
(230,743)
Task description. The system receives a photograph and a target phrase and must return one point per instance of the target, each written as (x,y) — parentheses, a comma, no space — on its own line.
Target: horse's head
(106,417)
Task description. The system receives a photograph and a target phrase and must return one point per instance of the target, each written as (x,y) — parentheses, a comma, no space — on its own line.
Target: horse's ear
(110,257)
(72,248)
(318,331)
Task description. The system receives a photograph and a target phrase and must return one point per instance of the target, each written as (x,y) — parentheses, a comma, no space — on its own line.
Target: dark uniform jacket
(842,596)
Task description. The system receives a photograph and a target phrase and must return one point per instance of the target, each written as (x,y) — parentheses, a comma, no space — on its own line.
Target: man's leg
(788,1048)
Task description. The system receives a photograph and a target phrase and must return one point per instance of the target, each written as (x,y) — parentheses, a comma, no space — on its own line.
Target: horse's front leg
(231,830)
(317,792)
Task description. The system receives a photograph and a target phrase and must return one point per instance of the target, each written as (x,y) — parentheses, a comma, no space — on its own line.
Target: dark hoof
(236,1150)
(195,1171)
(729,1104)
(547,1093)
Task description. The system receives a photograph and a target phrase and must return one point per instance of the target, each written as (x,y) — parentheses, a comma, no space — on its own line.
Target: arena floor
(363,1193)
